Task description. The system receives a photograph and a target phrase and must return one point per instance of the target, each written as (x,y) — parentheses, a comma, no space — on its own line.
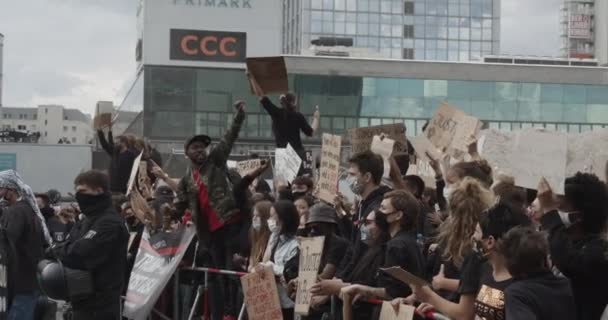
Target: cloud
(77,52)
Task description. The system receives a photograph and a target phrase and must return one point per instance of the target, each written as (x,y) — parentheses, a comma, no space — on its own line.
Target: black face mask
(297,195)
(315,232)
(88,202)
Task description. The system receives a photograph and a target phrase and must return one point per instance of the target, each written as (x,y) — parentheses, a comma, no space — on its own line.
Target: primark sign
(234,4)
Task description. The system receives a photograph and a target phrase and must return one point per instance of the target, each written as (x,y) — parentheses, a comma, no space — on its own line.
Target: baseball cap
(205,139)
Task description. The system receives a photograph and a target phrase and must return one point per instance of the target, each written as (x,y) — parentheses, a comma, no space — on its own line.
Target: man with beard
(23,234)
(97,244)
(207,191)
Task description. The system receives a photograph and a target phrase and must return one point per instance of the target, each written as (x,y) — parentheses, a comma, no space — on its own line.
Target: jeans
(22,307)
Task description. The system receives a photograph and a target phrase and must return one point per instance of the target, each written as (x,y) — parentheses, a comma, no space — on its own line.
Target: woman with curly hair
(576,224)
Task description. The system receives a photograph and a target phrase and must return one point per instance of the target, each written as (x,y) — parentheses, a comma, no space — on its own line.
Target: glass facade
(444,30)
(180,102)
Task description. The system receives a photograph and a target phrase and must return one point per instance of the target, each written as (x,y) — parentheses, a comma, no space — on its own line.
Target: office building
(1,64)
(51,124)
(443,30)
(584,29)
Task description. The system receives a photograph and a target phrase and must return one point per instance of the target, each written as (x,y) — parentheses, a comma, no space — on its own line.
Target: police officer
(97,244)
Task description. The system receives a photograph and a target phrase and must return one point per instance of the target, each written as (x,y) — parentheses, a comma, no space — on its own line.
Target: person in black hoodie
(576,223)
(122,157)
(97,244)
(535,293)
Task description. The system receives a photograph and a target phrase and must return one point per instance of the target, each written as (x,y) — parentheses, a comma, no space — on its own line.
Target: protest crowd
(422,229)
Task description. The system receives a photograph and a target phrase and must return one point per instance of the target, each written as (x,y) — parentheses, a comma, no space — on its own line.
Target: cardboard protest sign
(588,153)
(287,163)
(450,128)
(248,166)
(404,276)
(311,250)
(388,312)
(261,296)
(157,259)
(361,138)
(267,75)
(384,148)
(424,170)
(539,154)
(330,167)
(422,145)
(497,148)
(134,171)
(144,184)
(103,120)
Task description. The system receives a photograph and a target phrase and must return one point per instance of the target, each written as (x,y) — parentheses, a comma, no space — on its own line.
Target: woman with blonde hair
(468,199)
(259,233)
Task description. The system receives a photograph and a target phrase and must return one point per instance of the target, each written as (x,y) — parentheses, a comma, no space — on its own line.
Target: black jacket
(98,244)
(25,246)
(121,163)
(584,262)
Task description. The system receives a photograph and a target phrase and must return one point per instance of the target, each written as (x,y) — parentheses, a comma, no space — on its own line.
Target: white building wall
(601,31)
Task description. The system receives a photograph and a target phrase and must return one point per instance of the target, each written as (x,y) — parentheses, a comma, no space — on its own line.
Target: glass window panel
(453,9)
(361,41)
(486,46)
(385,43)
(453,33)
(339,27)
(340,16)
(419,32)
(363,17)
(374,5)
(408,43)
(363,122)
(464,10)
(419,8)
(419,20)
(435,88)
(487,34)
(340,4)
(328,15)
(442,54)
(419,44)
(465,22)
(453,45)
(408,20)
(442,44)
(396,54)
(397,19)
(506,110)
(385,6)
(328,4)
(475,46)
(396,43)
(385,18)
(316,15)
(464,46)
(464,56)
(574,94)
(351,28)
(475,34)
(316,4)
(597,95)
(459,89)
(374,29)
(328,27)
(351,5)
(597,113)
(316,26)
(487,23)
(398,7)
(385,30)
(374,18)
(464,33)
(575,112)
(551,111)
(363,5)
(397,31)
(362,29)
(351,17)
(551,93)
(374,42)
(476,10)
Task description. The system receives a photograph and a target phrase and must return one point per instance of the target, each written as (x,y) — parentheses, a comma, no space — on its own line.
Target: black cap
(198,138)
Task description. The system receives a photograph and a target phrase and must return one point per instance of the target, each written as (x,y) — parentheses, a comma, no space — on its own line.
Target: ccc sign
(208,45)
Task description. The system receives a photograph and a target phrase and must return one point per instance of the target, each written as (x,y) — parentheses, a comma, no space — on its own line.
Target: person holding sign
(206,191)
(122,154)
(400,211)
(287,122)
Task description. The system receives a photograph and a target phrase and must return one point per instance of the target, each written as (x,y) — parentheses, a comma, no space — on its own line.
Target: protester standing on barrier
(23,237)
(122,154)
(206,191)
(97,244)
(287,123)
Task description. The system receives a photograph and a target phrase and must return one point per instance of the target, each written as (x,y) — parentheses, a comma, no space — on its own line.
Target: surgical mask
(355,186)
(568,218)
(446,193)
(272,225)
(366,235)
(256,224)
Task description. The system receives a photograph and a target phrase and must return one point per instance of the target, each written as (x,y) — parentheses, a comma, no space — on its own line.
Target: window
(65,129)
(46,122)
(408,53)
(408,32)
(5,116)
(20,116)
(65,117)
(45,133)
(74,128)
(408,8)
(35,117)
(46,110)
(73,140)
(21,127)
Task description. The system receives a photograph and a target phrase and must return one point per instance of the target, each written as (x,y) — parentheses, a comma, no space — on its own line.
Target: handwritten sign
(261,296)
(423,169)
(330,167)
(497,148)
(388,312)
(287,163)
(311,250)
(248,166)
(404,276)
(133,175)
(361,138)
(267,75)
(587,153)
(422,145)
(450,128)
(539,154)
(384,148)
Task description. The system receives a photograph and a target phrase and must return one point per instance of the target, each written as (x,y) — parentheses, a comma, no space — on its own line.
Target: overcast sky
(77,52)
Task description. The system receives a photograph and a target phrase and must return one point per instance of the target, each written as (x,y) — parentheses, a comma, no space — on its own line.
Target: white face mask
(256,224)
(446,193)
(566,218)
(272,225)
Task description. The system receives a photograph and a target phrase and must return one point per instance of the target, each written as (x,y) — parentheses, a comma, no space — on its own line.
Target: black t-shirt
(401,251)
(337,253)
(541,297)
(59,231)
(477,279)
(287,125)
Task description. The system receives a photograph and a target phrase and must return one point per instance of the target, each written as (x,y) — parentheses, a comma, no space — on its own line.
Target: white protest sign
(248,166)
(133,175)
(287,163)
(539,154)
(384,148)
(422,145)
(587,153)
(330,167)
(497,148)
(311,250)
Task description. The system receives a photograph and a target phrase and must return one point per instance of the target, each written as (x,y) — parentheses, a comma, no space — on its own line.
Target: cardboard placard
(346,307)
(330,167)
(103,120)
(267,75)
(248,166)
(311,250)
(361,138)
(422,145)
(405,277)
(450,128)
(384,148)
(496,147)
(388,312)
(287,163)
(423,170)
(261,296)
(133,174)
(588,153)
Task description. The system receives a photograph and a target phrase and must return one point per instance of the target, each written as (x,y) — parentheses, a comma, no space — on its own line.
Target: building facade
(1,64)
(442,30)
(584,29)
(52,124)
